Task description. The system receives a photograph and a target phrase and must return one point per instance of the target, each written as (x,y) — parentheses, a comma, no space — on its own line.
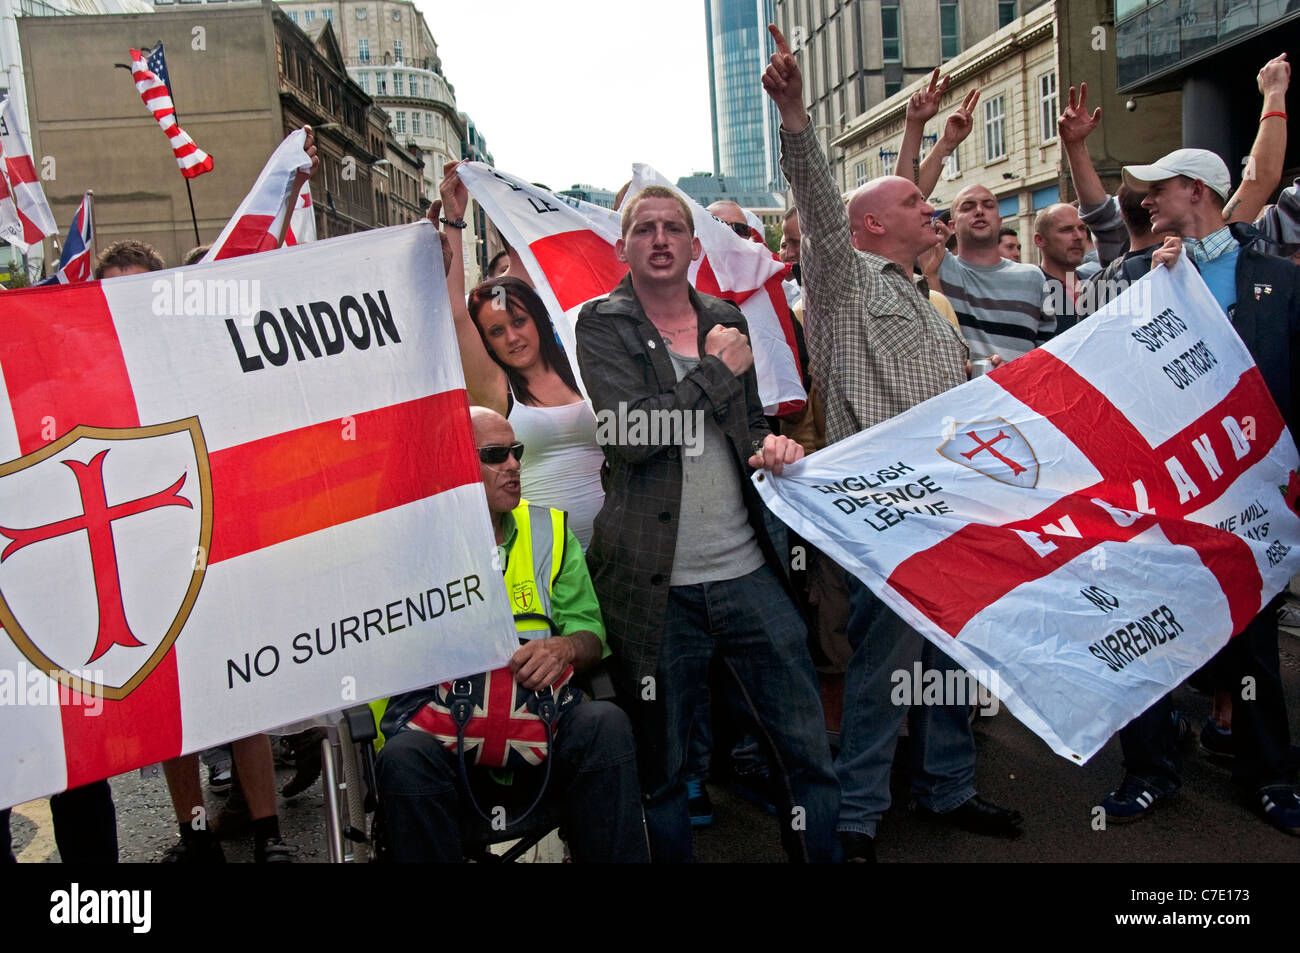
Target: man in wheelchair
(592,780)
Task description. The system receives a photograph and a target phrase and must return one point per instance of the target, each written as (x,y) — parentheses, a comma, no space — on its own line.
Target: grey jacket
(624,360)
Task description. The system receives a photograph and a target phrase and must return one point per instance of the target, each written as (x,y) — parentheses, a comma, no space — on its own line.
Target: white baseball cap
(1193,163)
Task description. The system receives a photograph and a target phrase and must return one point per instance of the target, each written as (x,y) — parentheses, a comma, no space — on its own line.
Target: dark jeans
(85,826)
(593,782)
(1260,732)
(943,747)
(756,629)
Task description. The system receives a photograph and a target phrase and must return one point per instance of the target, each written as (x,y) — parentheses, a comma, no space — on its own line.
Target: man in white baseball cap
(1191,163)
(1185,194)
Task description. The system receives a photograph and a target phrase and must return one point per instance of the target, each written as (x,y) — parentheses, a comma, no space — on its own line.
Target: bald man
(1061,239)
(878,348)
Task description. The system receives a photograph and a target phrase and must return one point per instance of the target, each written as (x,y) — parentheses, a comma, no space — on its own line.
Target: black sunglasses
(497,454)
(740,228)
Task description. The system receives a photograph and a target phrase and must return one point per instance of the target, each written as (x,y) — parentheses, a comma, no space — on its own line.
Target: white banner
(237,495)
(1087,525)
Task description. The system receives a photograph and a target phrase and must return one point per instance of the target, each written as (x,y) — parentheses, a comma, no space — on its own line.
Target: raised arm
(1268,154)
(485,381)
(921,108)
(826,255)
(1074,126)
(955,131)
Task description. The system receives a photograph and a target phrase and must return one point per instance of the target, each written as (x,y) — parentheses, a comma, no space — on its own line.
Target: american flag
(75,263)
(150,75)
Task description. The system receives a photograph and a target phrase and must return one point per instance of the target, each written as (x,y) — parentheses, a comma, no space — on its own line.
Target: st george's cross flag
(1082,528)
(234,496)
(258,223)
(567,247)
(155,90)
(302,223)
(25,216)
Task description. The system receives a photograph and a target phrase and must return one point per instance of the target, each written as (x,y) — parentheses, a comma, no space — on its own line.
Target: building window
(399,84)
(308,16)
(381,84)
(1047,105)
(890,33)
(364,83)
(397,50)
(328,15)
(1006,12)
(860,174)
(426,87)
(995,136)
(415,124)
(363,49)
(949,30)
(892,87)
(952,164)
(293,15)
(400,120)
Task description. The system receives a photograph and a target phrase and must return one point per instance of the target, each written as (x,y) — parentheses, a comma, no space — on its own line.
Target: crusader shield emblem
(521,597)
(105,536)
(994,448)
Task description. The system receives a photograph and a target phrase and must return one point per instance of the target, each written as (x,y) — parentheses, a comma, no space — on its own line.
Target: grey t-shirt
(714,538)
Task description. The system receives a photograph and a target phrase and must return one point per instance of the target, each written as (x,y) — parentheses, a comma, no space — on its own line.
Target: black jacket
(624,361)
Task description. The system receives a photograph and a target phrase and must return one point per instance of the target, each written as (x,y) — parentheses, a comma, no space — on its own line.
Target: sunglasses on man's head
(496,453)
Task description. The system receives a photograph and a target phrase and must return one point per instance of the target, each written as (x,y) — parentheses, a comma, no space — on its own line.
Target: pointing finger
(779,38)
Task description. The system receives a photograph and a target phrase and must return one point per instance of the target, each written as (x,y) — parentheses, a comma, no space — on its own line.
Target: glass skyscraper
(745,139)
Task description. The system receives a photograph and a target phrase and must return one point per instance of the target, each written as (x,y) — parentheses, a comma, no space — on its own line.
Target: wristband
(459,223)
(1280,115)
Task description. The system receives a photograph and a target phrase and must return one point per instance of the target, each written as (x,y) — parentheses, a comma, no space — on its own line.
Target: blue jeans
(943,748)
(752,623)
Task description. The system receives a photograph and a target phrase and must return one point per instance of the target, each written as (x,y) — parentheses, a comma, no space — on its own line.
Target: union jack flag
(503,732)
(150,75)
(75,264)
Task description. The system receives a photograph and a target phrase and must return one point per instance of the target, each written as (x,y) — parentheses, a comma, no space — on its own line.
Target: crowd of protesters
(714,638)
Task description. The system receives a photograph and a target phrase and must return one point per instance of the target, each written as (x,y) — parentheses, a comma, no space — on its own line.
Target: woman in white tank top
(514,365)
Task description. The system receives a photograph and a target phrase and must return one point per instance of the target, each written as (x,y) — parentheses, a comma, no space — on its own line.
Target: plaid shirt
(1202,250)
(876,344)
(624,361)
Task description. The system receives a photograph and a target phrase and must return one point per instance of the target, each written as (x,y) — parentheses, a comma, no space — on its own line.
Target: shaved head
(728,211)
(889,217)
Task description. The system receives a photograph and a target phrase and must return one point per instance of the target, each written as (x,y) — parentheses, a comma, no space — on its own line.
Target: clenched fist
(731,347)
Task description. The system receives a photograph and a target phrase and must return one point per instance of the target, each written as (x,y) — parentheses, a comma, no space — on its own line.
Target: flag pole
(193,217)
(90,219)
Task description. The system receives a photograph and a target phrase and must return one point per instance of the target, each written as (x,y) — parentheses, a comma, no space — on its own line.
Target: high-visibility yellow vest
(532,565)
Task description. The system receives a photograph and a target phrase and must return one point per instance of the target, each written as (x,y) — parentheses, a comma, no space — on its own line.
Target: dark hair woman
(514,365)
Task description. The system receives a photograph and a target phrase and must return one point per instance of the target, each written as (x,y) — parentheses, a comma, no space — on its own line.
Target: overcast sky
(575,91)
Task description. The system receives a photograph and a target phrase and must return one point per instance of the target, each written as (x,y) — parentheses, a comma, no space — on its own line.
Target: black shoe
(858,848)
(205,851)
(980,817)
(273,851)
